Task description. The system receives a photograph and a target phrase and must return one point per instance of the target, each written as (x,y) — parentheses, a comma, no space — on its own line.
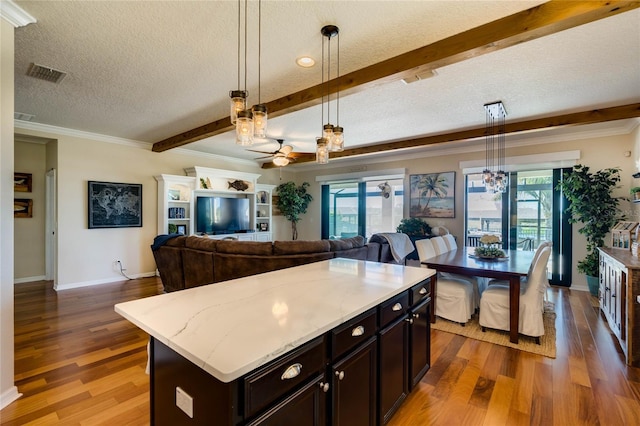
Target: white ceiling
(148,70)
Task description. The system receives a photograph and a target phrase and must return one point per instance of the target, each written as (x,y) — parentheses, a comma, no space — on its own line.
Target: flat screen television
(222,215)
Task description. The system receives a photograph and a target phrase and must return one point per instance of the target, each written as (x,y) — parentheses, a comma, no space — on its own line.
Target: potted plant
(635,193)
(292,202)
(414,228)
(591,202)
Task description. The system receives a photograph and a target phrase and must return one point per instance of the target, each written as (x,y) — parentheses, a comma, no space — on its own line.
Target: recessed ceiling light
(305,61)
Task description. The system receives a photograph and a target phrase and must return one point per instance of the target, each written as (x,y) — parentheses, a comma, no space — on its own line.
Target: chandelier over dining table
(494,176)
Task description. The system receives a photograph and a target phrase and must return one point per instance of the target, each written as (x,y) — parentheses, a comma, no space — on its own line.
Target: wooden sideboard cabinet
(618,294)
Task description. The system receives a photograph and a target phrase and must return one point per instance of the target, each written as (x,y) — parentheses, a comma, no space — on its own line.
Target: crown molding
(38,127)
(14,14)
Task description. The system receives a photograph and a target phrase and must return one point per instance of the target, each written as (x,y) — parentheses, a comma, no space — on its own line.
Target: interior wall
(29,233)
(8,392)
(87,256)
(596,152)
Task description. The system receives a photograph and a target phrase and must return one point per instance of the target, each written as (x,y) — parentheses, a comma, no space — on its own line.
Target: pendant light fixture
(259,110)
(238,97)
(332,138)
(252,122)
(495,181)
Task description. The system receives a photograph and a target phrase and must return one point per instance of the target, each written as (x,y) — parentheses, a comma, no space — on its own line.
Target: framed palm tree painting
(433,195)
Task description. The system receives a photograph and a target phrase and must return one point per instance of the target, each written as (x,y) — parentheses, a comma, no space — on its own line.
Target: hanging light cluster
(332,139)
(252,122)
(498,180)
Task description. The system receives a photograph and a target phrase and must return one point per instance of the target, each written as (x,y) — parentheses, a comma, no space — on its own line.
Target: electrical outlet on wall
(184,401)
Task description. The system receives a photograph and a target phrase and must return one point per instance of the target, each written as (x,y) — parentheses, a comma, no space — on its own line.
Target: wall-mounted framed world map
(114,205)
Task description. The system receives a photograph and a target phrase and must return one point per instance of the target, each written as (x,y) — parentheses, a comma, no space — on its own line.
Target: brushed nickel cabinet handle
(416,316)
(358,331)
(291,371)
(409,320)
(324,387)
(423,291)
(340,375)
(397,307)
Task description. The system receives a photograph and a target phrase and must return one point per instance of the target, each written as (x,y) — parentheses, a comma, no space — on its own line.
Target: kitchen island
(330,342)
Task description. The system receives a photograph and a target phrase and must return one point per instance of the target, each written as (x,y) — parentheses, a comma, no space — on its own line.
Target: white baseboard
(8,396)
(582,287)
(29,279)
(68,286)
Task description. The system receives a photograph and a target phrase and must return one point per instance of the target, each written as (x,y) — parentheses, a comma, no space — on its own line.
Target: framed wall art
(114,205)
(182,229)
(22,182)
(433,195)
(22,207)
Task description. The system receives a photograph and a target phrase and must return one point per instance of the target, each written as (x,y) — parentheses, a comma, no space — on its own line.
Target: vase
(593,283)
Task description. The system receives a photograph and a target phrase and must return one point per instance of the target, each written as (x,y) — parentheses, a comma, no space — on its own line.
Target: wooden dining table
(464,262)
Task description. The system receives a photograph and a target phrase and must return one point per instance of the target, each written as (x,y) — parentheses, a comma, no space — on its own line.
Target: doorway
(51,225)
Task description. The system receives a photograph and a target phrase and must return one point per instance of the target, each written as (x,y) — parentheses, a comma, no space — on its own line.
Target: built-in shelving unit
(177,195)
(264,212)
(174,203)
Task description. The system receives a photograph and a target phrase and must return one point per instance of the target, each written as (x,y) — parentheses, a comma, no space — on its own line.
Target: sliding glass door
(361,208)
(530,212)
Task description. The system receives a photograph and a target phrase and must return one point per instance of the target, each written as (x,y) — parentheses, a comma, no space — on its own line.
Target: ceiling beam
(545,19)
(585,117)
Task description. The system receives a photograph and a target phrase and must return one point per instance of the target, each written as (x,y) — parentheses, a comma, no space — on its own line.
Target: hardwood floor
(80,363)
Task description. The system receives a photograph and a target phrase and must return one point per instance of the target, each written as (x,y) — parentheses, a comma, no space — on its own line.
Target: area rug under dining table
(472,330)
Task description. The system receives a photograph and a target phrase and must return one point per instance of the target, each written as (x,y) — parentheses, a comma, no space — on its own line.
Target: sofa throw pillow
(347,243)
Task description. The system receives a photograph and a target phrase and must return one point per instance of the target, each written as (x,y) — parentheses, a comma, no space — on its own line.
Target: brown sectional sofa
(185,262)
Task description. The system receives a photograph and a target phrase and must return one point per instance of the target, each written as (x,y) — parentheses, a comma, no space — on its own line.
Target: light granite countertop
(233,327)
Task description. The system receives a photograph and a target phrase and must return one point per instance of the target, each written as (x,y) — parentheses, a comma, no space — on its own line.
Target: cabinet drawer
(353,332)
(394,308)
(273,381)
(420,291)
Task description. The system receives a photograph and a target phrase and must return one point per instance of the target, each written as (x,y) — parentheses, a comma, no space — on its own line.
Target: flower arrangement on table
(490,247)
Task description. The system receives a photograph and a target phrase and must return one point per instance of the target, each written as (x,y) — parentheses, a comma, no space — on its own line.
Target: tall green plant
(591,202)
(293,201)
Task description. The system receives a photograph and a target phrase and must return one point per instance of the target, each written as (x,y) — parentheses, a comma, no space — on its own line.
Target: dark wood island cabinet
(355,369)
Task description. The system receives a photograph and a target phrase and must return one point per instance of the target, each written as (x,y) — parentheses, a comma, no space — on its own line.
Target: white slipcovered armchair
(454,297)
(494,303)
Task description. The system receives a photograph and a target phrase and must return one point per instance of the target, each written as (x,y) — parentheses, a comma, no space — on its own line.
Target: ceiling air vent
(23,116)
(46,73)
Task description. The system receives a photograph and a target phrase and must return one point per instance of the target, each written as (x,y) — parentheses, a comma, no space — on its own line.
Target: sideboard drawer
(420,291)
(276,379)
(353,332)
(394,308)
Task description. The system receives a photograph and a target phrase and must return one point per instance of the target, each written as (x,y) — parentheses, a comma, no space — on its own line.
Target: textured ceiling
(148,70)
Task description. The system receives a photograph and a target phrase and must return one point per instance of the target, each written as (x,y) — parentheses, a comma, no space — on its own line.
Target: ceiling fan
(283,155)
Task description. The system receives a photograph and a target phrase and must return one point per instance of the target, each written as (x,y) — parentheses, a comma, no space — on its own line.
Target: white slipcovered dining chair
(494,303)
(454,297)
(536,255)
(450,241)
(447,243)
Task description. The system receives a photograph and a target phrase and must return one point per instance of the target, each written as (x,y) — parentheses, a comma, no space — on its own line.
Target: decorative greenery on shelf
(591,202)
(414,227)
(634,190)
(292,202)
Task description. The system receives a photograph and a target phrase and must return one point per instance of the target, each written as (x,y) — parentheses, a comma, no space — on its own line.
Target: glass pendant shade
(244,128)
(259,120)
(280,160)
(327,132)
(322,151)
(238,102)
(337,142)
